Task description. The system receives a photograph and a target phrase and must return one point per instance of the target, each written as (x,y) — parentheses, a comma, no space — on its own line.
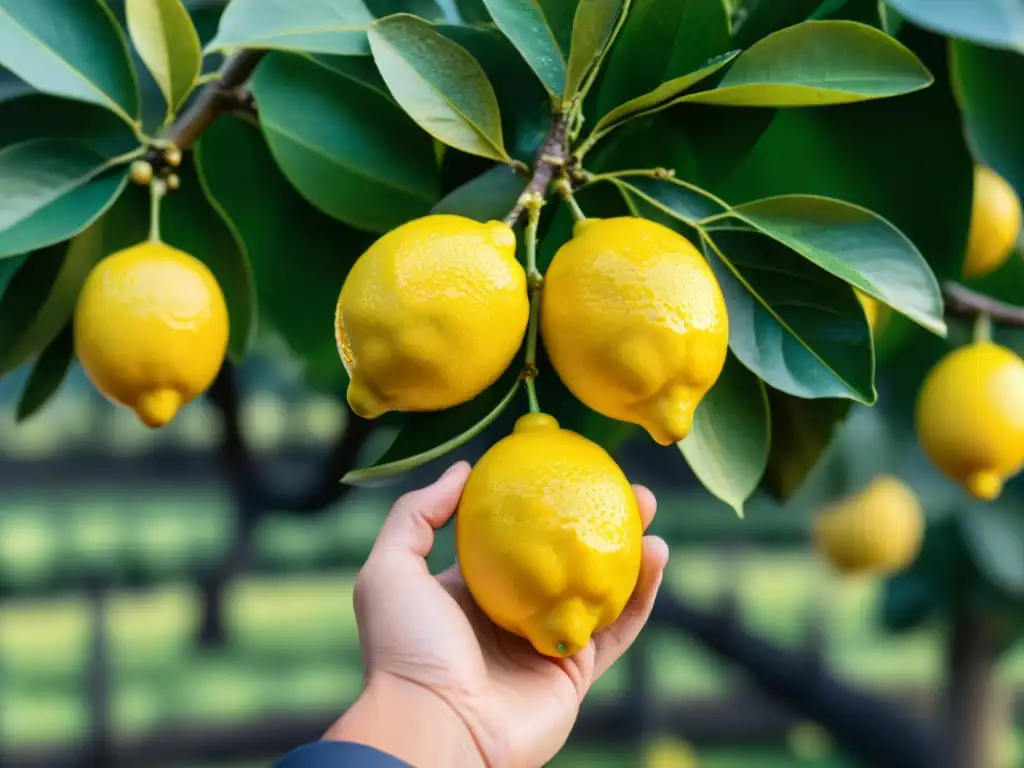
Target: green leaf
(524,103)
(348,150)
(169,45)
(662,41)
(326,26)
(473,11)
(560,15)
(38,115)
(914,144)
(48,373)
(993,23)
(75,50)
(417,442)
(990,86)
(8,268)
(593,30)
(35,173)
(857,246)
(359,69)
(427,9)
(794,325)
(995,539)
(524,24)
(728,447)
(191,224)
(818,63)
(678,199)
(299,256)
(439,84)
(801,433)
(488,197)
(664,96)
(769,16)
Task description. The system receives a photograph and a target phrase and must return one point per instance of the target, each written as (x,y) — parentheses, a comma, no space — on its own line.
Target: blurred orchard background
(183,597)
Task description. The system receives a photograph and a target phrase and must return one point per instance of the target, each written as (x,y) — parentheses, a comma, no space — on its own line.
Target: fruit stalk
(967,303)
(157,189)
(535,282)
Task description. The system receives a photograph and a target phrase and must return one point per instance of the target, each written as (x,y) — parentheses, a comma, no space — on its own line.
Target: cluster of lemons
(970,416)
(634,323)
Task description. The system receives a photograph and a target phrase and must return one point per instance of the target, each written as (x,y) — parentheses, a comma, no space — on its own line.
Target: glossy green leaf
(75,50)
(417,442)
(675,198)
(914,144)
(168,43)
(439,84)
(488,197)
(593,30)
(299,256)
(36,173)
(993,23)
(995,539)
(524,103)
(39,115)
(794,325)
(559,15)
(359,69)
(524,24)
(857,246)
(347,149)
(426,9)
(48,373)
(664,96)
(990,86)
(473,11)
(326,26)
(728,447)
(662,41)
(802,431)
(192,224)
(818,63)
(8,268)
(760,19)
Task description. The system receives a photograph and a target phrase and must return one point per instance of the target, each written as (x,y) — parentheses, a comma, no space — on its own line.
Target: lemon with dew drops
(879,529)
(549,536)
(431,315)
(151,329)
(635,324)
(970,416)
(995,223)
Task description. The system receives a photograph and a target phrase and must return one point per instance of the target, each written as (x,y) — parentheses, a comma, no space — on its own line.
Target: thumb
(409,527)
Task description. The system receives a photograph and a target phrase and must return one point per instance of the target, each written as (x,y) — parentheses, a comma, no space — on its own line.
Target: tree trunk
(972,701)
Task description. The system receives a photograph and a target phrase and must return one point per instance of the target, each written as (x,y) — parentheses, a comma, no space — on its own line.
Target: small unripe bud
(172,156)
(173,182)
(141,172)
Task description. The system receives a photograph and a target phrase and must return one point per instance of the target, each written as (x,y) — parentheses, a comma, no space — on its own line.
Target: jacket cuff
(339,754)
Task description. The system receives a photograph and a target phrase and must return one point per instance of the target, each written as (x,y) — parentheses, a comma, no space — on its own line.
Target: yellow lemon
(548,535)
(877,530)
(871,309)
(635,323)
(970,417)
(151,329)
(995,223)
(669,752)
(431,315)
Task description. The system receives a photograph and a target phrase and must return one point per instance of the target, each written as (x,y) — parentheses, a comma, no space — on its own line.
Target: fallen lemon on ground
(995,223)
(431,315)
(877,530)
(635,323)
(548,535)
(151,329)
(970,417)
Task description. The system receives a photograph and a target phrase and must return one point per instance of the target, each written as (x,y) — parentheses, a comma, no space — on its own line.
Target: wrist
(410,722)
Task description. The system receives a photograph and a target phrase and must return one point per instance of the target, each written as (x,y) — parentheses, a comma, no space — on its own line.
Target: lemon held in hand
(995,223)
(151,329)
(549,536)
(970,417)
(635,324)
(877,530)
(431,315)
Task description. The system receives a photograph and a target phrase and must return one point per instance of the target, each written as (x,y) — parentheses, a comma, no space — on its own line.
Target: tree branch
(213,99)
(867,728)
(964,302)
(550,158)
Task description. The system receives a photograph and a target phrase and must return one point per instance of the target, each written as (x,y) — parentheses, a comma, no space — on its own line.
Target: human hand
(444,685)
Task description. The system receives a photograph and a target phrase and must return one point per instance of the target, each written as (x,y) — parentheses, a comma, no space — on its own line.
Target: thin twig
(964,302)
(551,157)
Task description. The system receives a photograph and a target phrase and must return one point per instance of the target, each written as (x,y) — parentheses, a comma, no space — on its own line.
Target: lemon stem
(564,188)
(535,282)
(157,188)
(982,328)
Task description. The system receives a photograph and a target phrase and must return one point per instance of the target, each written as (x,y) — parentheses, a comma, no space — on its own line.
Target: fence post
(99,751)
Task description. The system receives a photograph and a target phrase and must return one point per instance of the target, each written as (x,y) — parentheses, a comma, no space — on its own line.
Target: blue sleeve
(338,754)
